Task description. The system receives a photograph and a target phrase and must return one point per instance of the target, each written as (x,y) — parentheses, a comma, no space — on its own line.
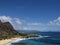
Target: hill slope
(7,30)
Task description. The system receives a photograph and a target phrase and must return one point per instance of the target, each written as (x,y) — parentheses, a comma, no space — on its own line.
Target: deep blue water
(53,39)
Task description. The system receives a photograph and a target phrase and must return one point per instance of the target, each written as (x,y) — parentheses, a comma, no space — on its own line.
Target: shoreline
(15,40)
(9,41)
(3,42)
(12,40)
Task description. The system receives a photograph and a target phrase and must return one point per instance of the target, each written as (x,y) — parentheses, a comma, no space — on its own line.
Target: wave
(40,36)
(16,40)
(21,39)
(43,36)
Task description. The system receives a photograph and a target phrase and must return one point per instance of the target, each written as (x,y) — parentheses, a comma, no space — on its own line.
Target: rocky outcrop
(7,29)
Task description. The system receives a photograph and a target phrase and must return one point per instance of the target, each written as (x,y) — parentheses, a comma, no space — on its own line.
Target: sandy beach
(4,42)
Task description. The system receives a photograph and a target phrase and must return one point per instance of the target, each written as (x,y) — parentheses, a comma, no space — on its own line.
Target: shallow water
(33,42)
(51,39)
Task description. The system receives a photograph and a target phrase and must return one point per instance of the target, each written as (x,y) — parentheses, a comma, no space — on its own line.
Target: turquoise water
(53,39)
(31,42)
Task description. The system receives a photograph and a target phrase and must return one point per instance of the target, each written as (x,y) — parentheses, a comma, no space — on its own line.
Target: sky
(42,15)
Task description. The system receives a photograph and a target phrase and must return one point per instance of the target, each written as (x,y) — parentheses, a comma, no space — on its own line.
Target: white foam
(8,44)
(46,36)
(43,36)
(16,40)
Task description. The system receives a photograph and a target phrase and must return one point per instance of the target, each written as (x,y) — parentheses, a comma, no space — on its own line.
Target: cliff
(7,30)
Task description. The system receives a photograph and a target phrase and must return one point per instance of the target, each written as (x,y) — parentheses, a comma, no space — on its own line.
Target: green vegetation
(18,35)
(7,31)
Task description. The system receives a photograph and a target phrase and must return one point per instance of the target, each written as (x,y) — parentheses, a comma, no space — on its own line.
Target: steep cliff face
(7,29)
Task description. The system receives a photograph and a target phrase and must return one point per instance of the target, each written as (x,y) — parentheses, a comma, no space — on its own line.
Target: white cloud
(49,26)
(21,24)
(55,22)
(35,24)
(13,21)
(25,28)
(18,21)
(9,19)
(5,18)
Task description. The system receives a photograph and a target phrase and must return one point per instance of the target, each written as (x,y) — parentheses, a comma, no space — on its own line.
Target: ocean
(45,38)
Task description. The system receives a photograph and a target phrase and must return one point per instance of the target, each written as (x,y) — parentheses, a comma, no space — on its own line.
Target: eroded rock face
(7,29)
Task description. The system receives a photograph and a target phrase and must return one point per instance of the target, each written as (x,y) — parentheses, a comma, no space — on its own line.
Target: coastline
(12,40)
(3,42)
(8,41)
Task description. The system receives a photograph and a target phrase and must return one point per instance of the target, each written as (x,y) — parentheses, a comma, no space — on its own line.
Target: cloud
(55,22)
(5,18)
(14,21)
(9,19)
(23,25)
(18,21)
(53,25)
(25,28)
(35,24)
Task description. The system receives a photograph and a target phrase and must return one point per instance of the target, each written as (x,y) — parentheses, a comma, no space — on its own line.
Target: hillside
(7,30)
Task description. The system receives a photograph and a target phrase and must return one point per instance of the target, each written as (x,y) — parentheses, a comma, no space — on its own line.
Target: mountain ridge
(7,30)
